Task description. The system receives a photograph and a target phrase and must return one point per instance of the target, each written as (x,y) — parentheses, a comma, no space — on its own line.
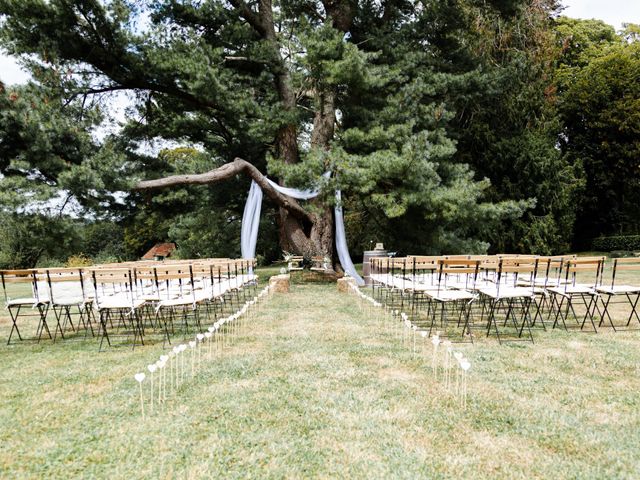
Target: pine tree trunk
(311,240)
(315,238)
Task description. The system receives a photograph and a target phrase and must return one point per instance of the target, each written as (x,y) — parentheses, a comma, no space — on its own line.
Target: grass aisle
(317,389)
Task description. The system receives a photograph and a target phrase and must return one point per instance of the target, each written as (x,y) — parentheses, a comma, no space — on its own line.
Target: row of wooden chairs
(125,299)
(506,292)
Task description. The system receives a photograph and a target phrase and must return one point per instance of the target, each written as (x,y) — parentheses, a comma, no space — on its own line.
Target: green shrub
(49,262)
(621,254)
(104,238)
(106,258)
(27,240)
(620,242)
(79,260)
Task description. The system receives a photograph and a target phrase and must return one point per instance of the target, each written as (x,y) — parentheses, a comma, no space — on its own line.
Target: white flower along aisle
(182,362)
(443,360)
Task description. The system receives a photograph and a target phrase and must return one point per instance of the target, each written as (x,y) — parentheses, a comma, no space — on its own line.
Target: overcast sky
(614,12)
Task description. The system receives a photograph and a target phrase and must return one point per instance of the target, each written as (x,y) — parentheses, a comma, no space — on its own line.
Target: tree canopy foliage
(598,80)
(448,125)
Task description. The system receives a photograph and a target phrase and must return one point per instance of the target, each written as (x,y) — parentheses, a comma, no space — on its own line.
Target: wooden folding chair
(234,270)
(16,306)
(571,293)
(146,288)
(177,298)
(214,287)
(422,278)
(242,279)
(379,276)
(629,294)
(506,297)
(295,264)
(452,300)
(545,276)
(67,292)
(116,303)
(397,283)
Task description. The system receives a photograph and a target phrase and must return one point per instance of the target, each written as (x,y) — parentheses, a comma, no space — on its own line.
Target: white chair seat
(450,295)
(220,289)
(459,285)
(380,278)
(507,292)
(151,297)
(247,277)
(487,283)
(69,301)
(618,289)
(202,295)
(422,287)
(31,301)
(572,290)
(119,301)
(176,302)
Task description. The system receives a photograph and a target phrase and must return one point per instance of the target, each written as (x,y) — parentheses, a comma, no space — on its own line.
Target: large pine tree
(293,88)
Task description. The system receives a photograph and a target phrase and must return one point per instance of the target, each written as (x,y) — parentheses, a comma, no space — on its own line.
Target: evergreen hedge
(620,242)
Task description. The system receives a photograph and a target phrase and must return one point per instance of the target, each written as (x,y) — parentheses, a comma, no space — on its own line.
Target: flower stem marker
(447,362)
(200,338)
(208,337)
(434,359)
(192,345)
(159,369)
(164,359)
(459,357)
(172,356)
(140,378)
(414,329)
(152,368)
(183,348)
(423,334)
(465,365)
(176,352)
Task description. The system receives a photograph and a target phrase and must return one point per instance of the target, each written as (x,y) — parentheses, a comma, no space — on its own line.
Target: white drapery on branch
(251,223)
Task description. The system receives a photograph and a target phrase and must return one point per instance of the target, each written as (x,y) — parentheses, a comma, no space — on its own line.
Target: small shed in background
(160,251)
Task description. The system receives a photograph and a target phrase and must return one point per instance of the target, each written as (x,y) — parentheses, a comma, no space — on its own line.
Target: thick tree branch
(340,12)
(226,171)
(262,22)
(250,16)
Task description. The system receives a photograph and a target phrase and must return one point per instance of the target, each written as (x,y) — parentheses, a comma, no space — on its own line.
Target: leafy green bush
(49,262)
(620,242)
(79,260)
(621,254)
(27,240)
(105,258)
(104,238)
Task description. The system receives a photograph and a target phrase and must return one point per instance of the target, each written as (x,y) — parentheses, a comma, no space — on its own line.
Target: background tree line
(459,125)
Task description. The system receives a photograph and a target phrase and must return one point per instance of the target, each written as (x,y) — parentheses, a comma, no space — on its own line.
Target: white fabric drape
(341,242)
(251,223)
(296,193)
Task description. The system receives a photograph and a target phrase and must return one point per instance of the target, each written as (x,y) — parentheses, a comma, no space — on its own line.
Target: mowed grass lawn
(318,388)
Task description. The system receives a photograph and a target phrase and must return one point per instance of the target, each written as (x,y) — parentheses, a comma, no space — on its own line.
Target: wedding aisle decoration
(445,362)
(155,389)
